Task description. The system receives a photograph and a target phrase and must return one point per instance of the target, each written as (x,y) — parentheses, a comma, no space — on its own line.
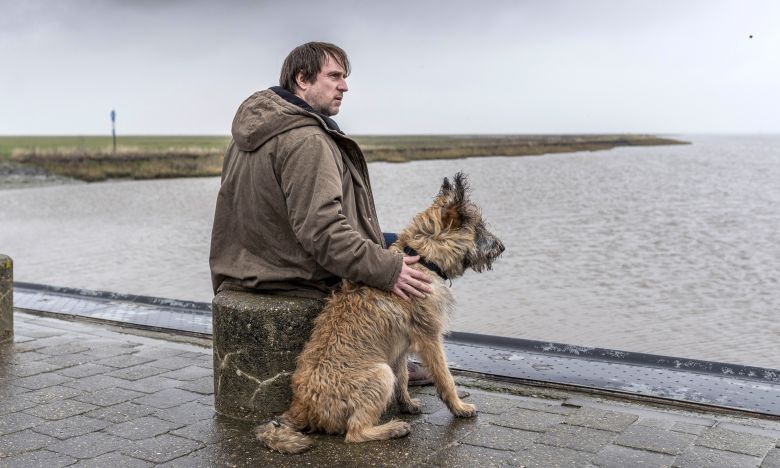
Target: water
(669,250)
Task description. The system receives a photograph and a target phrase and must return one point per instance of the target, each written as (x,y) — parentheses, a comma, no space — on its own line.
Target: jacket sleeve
(311,180)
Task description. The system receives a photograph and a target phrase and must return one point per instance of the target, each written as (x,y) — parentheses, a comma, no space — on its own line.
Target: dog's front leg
(406,403)
(431,351)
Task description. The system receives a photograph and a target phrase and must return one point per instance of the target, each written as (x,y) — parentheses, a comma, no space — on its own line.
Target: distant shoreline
(405,149)
(92,158)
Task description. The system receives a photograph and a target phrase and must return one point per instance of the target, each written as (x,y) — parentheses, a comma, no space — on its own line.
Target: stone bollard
(6,298)
(256,341)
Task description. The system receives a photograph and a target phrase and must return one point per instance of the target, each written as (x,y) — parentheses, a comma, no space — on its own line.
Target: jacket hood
(264,115)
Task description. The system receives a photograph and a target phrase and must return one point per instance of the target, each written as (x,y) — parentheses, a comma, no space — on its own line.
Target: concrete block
(466,455)
(501,438)
(577,438)
(6,298)
(529,420)
(142,428)
(23,441)
(688,428)
(547,456)
(113,459)
(88,445)
(161,448)
(491,404)
(655,439)
(71,427)
(601,419)
(39,458)
(256,341)
(772,459)
(697,457)
(614,456)
(108,396)
(61,409)
(122,412)
(38,381)
(739,442)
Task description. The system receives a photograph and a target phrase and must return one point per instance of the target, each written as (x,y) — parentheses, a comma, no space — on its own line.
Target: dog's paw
(413,406)
(465,410)
(400,429)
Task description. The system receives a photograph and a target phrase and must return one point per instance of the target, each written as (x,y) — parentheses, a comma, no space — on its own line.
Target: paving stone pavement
(83,394)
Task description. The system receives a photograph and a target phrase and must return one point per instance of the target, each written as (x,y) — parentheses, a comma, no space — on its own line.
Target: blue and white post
(113,128)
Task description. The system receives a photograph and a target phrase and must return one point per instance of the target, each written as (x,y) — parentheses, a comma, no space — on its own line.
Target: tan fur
(355,361)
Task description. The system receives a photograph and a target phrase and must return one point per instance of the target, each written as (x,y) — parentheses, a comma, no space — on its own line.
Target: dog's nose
(501,247)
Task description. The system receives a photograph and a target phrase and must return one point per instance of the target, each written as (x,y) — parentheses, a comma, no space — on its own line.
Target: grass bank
(91,158)
(410,148)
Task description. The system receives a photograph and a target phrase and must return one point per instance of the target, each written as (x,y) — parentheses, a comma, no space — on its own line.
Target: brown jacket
(295,212)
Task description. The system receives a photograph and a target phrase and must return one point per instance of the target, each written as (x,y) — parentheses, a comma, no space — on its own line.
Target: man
(295,213)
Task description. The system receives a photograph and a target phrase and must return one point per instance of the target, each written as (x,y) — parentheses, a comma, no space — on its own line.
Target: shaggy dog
(355,361)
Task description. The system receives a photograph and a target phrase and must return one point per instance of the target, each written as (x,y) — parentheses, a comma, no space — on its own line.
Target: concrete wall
(6,298)
(256,341)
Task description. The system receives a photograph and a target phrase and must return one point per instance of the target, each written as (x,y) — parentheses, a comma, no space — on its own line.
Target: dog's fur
(355,360)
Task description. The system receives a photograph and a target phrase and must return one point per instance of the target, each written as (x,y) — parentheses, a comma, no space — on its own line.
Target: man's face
(327,90)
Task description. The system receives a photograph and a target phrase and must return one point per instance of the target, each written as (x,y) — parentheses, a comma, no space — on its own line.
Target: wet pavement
(82,394)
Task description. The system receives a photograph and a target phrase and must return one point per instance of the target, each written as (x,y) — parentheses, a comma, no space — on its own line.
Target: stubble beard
(329,107)
(329,111)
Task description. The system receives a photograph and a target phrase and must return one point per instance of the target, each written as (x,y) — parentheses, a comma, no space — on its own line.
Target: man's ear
(300,82)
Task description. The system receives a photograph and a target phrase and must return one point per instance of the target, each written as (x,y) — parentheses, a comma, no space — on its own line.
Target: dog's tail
(278,435)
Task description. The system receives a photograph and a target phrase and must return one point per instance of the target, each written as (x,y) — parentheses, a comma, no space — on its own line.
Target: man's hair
(308,59)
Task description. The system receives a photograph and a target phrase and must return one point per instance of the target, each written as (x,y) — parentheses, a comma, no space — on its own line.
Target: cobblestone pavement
(80,394)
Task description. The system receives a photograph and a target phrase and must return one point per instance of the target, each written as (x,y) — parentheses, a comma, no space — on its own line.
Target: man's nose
(343,86)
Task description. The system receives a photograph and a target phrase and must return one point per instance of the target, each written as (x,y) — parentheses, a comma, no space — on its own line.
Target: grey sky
(179,67)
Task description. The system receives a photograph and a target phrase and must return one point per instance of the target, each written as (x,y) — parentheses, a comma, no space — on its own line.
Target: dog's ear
(451,216)
(461,189)
(454,215)
(446,188)
(455,212)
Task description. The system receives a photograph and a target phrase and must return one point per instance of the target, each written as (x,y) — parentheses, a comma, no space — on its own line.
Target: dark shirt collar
(293,99)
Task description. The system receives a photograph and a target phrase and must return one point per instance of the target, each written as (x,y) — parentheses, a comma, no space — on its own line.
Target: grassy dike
(91,158)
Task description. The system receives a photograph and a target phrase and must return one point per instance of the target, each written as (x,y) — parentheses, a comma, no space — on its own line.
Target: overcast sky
(183,67)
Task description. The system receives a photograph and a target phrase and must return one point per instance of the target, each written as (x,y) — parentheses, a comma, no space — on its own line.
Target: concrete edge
(762,374)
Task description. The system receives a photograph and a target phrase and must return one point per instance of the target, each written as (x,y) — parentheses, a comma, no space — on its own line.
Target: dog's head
(452,233)
(459,213)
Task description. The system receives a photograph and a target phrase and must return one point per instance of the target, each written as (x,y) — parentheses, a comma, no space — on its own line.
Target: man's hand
(412,282)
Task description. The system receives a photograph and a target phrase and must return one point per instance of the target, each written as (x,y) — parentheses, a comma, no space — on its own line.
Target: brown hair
(308,60)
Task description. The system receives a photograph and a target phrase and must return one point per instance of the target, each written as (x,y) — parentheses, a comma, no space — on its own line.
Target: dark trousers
(390,237)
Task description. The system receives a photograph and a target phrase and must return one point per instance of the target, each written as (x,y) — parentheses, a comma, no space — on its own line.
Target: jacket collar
(293,99)
(426,263)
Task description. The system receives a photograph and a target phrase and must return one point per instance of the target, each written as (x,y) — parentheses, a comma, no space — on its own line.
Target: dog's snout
(496,246)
